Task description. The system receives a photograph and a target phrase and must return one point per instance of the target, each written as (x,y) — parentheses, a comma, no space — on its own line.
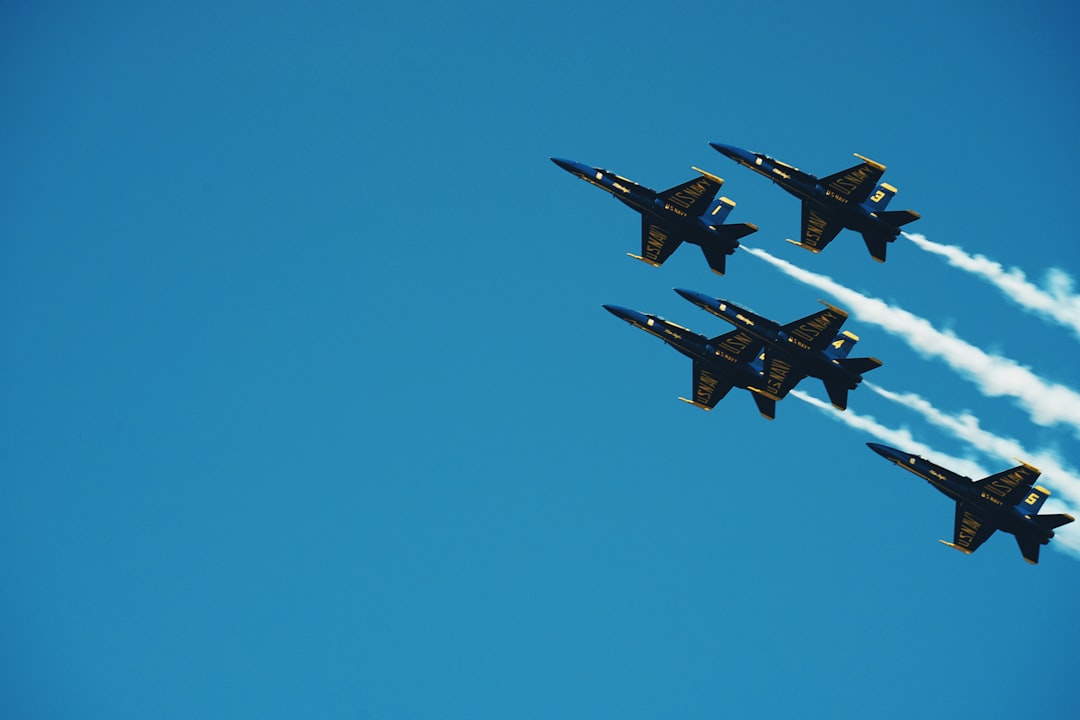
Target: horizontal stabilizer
(1053,521)
(859,365)
(716,256)
(877,243)
(898,218)
(765,405)
(716,249)
(1029,548)
(837,395)
(736,231)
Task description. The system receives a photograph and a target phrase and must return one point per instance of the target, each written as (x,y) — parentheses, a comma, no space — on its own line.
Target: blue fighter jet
(1004,501)
(720,363)
(686,213)
(848,199)
(811,346)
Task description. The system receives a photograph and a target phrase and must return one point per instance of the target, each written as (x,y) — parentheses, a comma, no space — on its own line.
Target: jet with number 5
(689,212)
(720,363)
(1003,501)
(812,346)
(852,199)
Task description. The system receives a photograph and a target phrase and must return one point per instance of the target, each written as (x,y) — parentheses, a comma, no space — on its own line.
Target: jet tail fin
(719,210)
(1033,502)
(841,345)
(880,198)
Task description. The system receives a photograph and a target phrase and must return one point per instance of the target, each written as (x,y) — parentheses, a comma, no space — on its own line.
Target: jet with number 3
(852,199)
(1004,501)
(689,212)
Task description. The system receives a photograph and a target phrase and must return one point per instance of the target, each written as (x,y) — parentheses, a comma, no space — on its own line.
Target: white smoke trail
(1046,402)
(1067,537)
(1056,301)
(901,438)
(966,427)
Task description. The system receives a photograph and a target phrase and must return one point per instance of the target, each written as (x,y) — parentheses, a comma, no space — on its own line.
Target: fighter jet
(685,213)
(811,346)
(1004,501)
(720,363)
(848,199)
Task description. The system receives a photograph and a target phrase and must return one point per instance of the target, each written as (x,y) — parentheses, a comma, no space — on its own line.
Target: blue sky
(311,409)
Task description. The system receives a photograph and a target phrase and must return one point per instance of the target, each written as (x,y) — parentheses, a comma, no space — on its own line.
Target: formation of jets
(769,359)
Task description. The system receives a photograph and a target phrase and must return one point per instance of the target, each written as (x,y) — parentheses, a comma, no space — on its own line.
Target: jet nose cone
(572,167)
(695,297)
(618,311)
(736,154)
(884,451)
(631,316)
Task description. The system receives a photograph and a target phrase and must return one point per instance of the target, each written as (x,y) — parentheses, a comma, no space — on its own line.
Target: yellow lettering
(815,227)
(969,527)
(655,243)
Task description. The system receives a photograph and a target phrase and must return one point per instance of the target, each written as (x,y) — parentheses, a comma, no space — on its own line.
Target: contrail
(1046,402)
(1067,537)
(901,438)
(1056,301)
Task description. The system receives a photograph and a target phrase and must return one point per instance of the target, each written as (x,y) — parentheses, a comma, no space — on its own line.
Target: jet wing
(817,230)
(1011,487)
(856,183)
(971,531)
(710,385)
(657,244)
(816,332)
(780,376)
(693,197)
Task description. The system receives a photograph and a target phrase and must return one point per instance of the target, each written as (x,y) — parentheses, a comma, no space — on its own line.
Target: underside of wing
(693,197)
(818,230)
(856,183)
(710,386)
(657,244)
(970,531)
(735,347)
(816,332)
(1011,486)
(780,376)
